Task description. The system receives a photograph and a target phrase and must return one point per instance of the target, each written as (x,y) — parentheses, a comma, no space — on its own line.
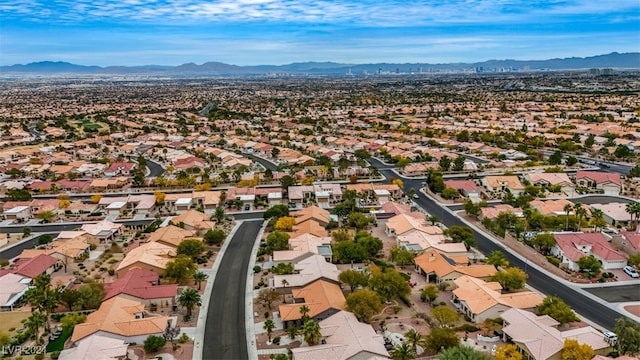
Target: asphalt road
(224,332)
(595,199)
(155,169)
(591,309)
(10,253)
(266,163)
(623,293)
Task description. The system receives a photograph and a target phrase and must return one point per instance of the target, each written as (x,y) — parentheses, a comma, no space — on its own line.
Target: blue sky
(252,32)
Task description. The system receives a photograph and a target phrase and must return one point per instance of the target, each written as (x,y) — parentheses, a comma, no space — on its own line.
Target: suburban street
(155,169)
(595,311)
(225,333)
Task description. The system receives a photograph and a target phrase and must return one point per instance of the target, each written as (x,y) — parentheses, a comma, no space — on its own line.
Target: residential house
(608,183)
(631,240)
(310,226)
(123,319)
(499,184)
(143,286)
(208,200)
(33,267)
(466,188)
(18,213)
(556,207)
(96,347)
(492,212)
(344,338)
(481,300)
(118,169)
(321,297)
(404,224)
(615,213)
(321,216)
(12,289)
(573,246)
(194,220)
(305,272)
(545,180)
(418,242)
(304,246)
(438,267)
(152,256)
(538,337)
(104,230)
(170,235)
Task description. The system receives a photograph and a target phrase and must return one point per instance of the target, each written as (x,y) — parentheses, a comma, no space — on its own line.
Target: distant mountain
(612,60)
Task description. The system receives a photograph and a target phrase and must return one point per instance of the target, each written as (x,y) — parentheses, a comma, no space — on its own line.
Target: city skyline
(259,32)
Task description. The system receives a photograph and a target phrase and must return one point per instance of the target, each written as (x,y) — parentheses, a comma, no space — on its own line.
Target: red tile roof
(34,266)
(139,283)
(599,177)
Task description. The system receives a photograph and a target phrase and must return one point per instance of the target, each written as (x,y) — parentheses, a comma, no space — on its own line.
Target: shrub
(406,300)
(553,260)
(467,327)
(4,262)
(154,343)
(175,346)
(183,338)
(257,269)
(276,340)
(54,355)
(111,272)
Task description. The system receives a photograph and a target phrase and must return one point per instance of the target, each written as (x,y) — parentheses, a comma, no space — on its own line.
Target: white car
(631,271)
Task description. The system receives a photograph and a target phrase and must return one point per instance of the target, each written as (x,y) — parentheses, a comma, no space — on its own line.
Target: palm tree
(311,332)
(633,208)
(402,352)
(304,310)
(292,331)
(567,209)
(199,277)
(269,325)
(413,338)
(43,297)
(34,323)
(284,283)
(580,212)
(219,214)
(189,299)
(597,218)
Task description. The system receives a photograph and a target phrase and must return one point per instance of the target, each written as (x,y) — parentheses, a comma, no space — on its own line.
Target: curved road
(586,306)
(224,332)
(155,169)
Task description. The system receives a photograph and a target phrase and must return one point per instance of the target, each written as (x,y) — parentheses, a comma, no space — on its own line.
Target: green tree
(353,278)
(402,351)
(363,304)
(269,325)
(623,151)
(5,339)
(634,260)
(192,248)
(199,277)
(277,240)
(543,242)
(154,343)
(573,350)
(511,279)
(214,236)
(462,234)
(17,195)
(46,216)
(462,352)
(389,284)
(43,296)
(458,163)
(429,293)
(628,332)
(311,332)
(555,158)
(292,331)
(287,181)
(371,244)
(219,214)
(69,297)
(557,309)
(450,193)
(401,256)
(189,298)
(444,163)
(34,323)
(349,251)
(413,338)
(90,295)
(439,339)
(497,259)
(444,315)
(304,311)
(70,320)
(359,220)
(570,160)
(180,269)
(276,212)
(635,171)
(471,208)
(589,264)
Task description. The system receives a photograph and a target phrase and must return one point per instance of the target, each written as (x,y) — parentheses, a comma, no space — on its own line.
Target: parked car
(631,271)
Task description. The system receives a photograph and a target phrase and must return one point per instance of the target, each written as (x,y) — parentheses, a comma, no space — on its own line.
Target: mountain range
(612,60)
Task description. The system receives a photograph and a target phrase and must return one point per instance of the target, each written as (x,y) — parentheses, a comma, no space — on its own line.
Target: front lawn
(58,344)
